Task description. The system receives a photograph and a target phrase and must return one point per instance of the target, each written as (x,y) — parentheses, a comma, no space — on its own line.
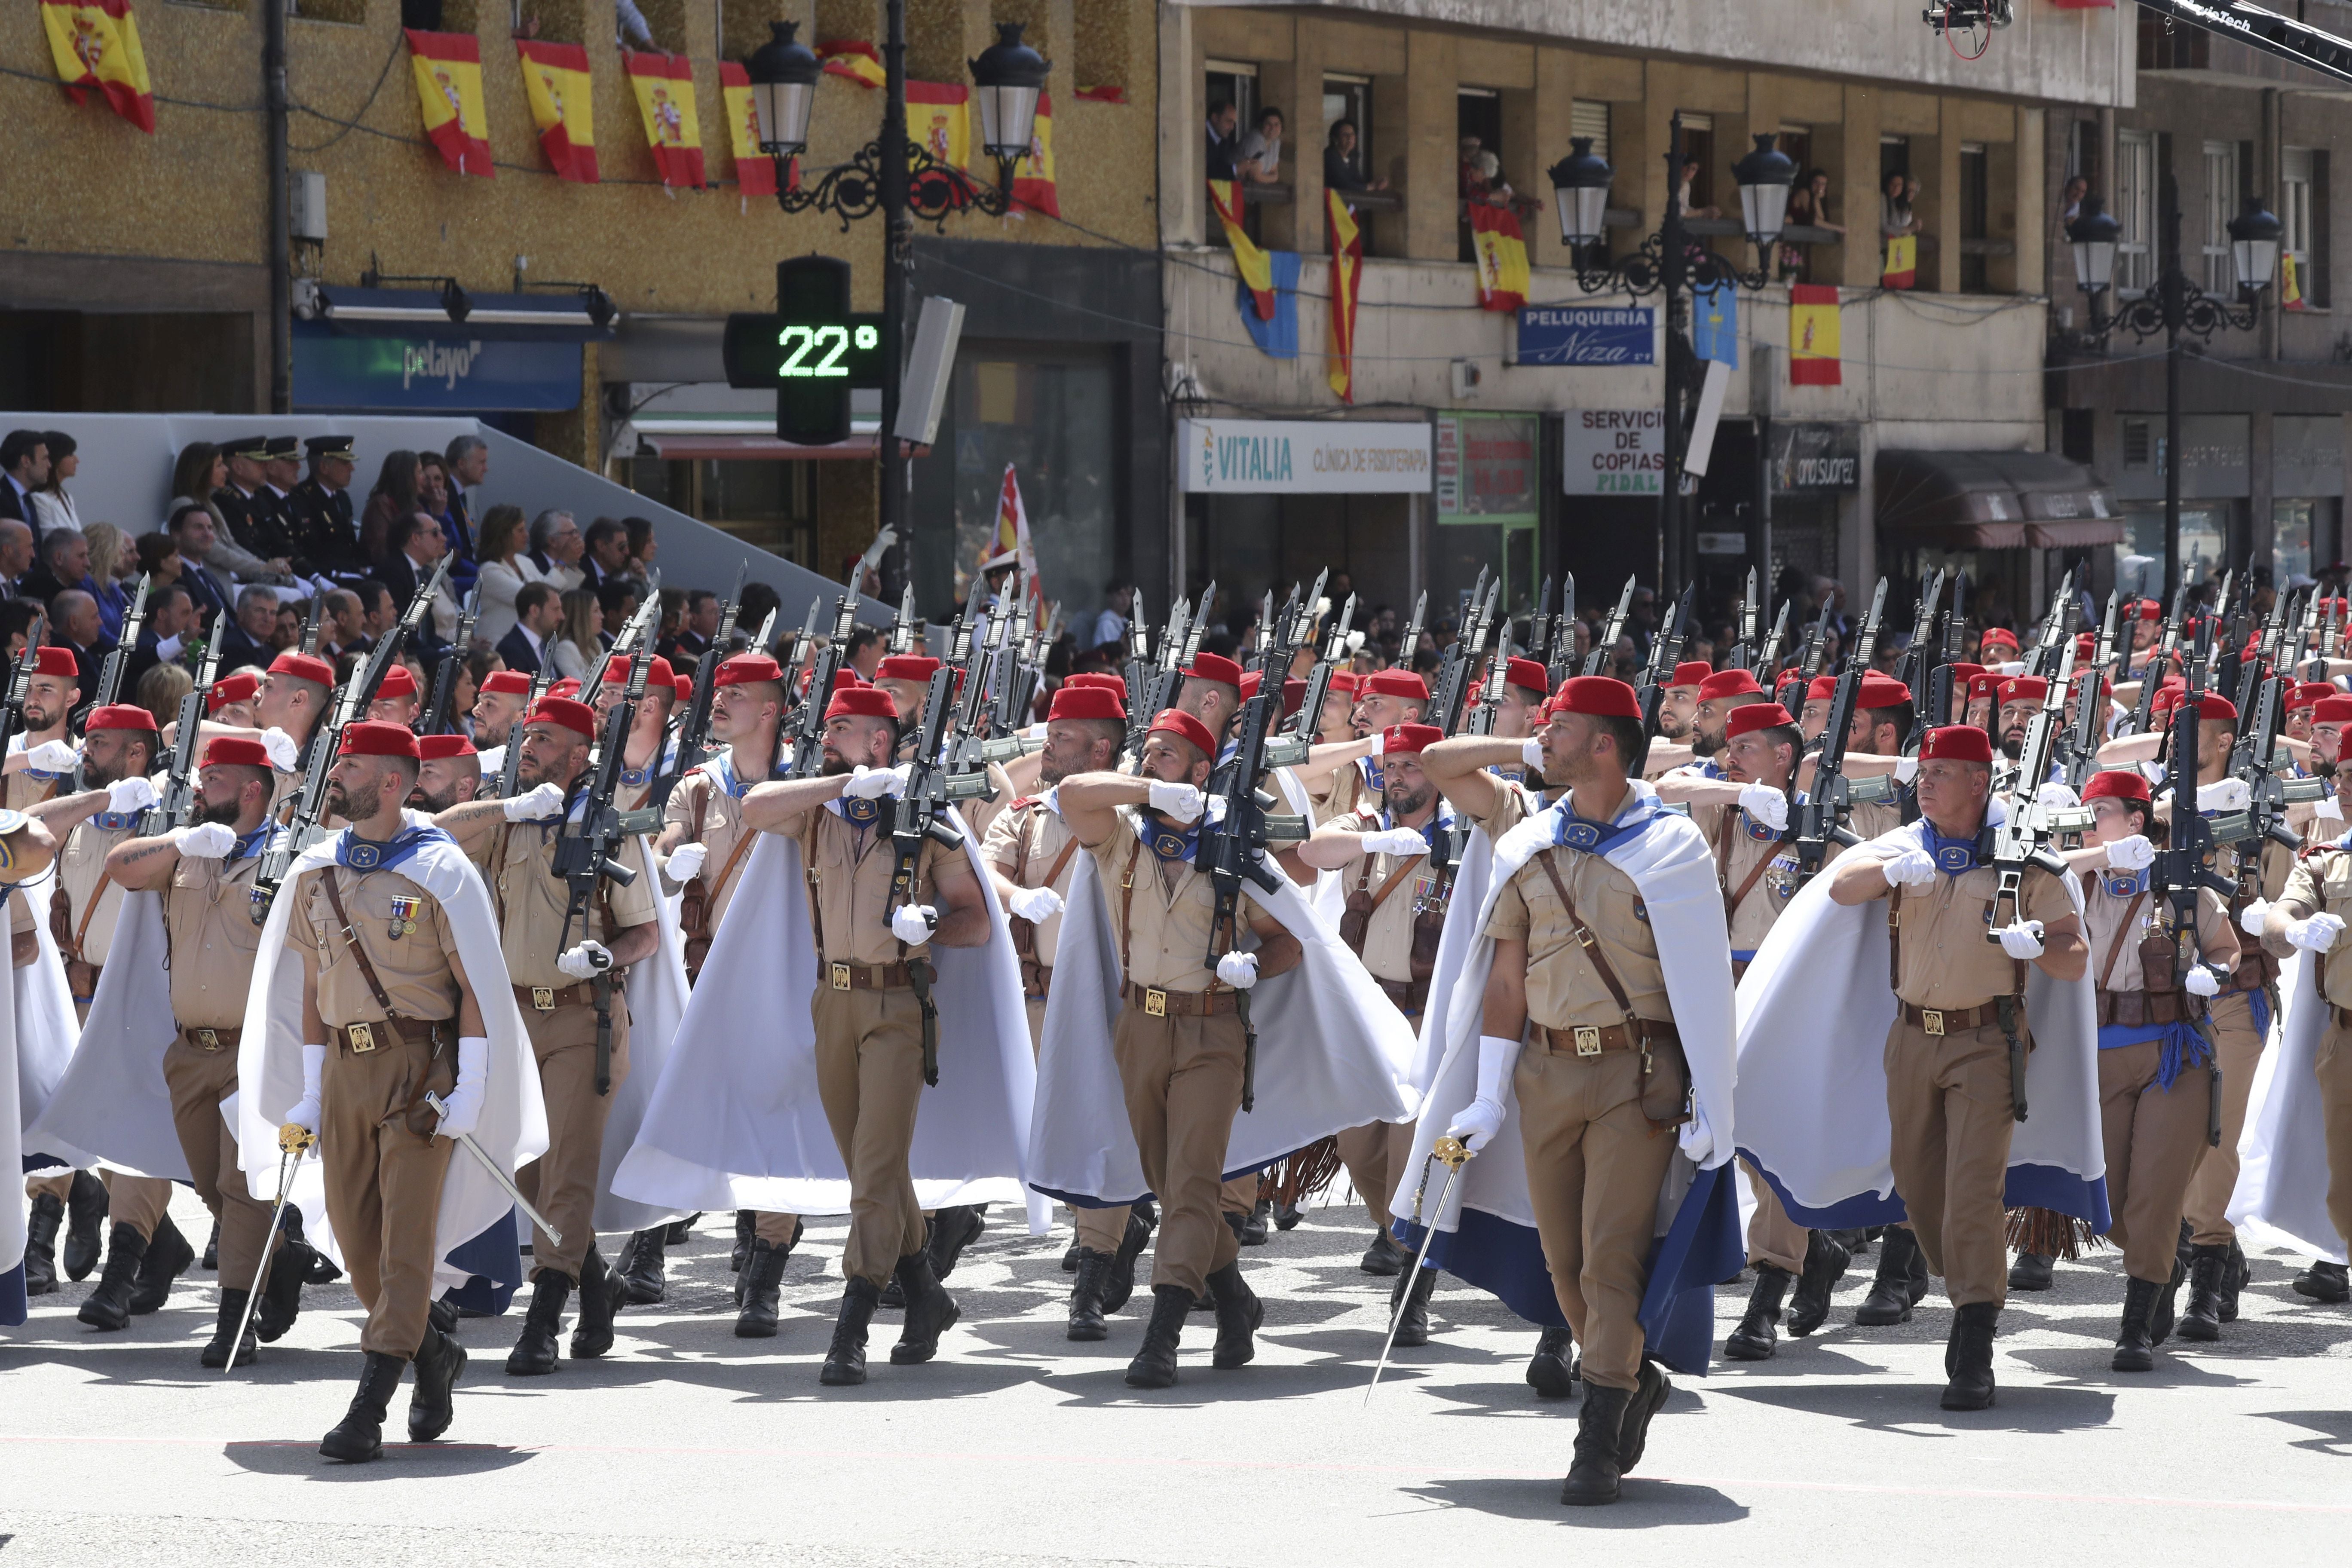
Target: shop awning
(422,313)
(738,447)
(1993,500)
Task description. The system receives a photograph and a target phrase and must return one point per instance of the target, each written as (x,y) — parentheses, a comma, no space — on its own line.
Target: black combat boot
(41,1228)
(844,1359)
(1647,1401)
(108,1306)
(1142,1221)
(1154,1365)
(282,1291)
(169,1255)
(678,1231)
(1593,1477)
(534,1352)
(951,1232)
(1550,1372)
(216,1351)
(1968,1356)
(360,1434)
(763,1287)
(1086,1324)
(2209,1268)
(747,1225)
(2168,1295)
(600,1292)
(2134,1341)
(1254,1227)
(1892,1295)
(1070,1258)
(1411,1293)
(1239,1314)
(431,1407)
(2321,1281)
(1826,1261)
(2032,1271)
(87,1205)
(931,1311)
(210,1262)
(645,1276)
(1758,1335)
(2233,1280)
(1384,1259)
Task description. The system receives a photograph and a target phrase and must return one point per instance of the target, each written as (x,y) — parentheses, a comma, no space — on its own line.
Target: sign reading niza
(1302,457)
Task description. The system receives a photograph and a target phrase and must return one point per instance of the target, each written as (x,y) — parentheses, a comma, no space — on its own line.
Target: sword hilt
(293,1138)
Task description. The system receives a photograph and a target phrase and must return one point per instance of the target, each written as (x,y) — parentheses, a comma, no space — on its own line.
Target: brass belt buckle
(1587,1040)
(841,977)
(1155,1003)
(362,1037)
(206,1039)
(542,997)
(1932,1020)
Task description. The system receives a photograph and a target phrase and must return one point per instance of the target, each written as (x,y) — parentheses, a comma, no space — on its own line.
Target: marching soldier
(649,749)
(448,773)
(319,510)
(498,707)
(1678,700)
(556,986)
(1384,699)
(397,699)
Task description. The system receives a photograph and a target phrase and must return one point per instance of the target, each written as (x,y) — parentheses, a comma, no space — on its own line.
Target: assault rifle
(1605,646)
(175,806)
(1791,692)
(2158,667)
(510,765)
(694,746)
(2081,752)
(110,676)
(1178,644)
(1539,627)
(1664,651)
(1820,817)
(2184,867)
(1454,675)
(309,643)
(1743,652)
(1912,665)
(20,680)
(808,735)
(902,625)
(1309,726)
(444,674)
(1770,655)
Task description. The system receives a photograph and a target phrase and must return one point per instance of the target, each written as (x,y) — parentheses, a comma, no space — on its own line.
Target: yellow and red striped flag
(2290,284)
(555,78)
(1012,540)
(755,172)
(1813,348)
(1254,266)
(665,89)
(938,120)
(1902,268)
(94,44)
(449,92)
(1033,175)
(1502,251)
(1346,280)
(853,60)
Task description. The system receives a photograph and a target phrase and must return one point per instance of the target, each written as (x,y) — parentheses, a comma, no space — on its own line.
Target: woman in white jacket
(504,571)
(52,508)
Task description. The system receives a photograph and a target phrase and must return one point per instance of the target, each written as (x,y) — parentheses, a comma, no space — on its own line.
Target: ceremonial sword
(498,1173)
(294,1141)
(1454,1153)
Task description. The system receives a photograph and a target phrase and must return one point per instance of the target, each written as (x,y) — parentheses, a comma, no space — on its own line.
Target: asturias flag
(1346,278)
(449,92)
(1249,260)
(1813,335)
(94,44)
(665,87)
(853,60)
(555,78)
(1902,261)
(1502,256)
(755,172)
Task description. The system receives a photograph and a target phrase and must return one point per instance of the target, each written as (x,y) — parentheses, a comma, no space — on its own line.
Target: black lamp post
(2176,308)
(1671,262)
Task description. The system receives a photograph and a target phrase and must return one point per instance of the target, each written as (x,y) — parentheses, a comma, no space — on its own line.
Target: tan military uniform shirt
(849,884)
(24,788)
(1736,863)
(406,935)
(208,915)
(531,901)
(1165,937)
(1388,933)
(1025,842)
(2320,883)
(1946,961)
(1564,989)
(2115,942)
(81,876)
(713,817)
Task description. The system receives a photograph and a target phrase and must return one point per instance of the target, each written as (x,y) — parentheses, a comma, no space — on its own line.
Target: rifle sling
(1731,900)
(351,940)
(1591,945)
(2123,933)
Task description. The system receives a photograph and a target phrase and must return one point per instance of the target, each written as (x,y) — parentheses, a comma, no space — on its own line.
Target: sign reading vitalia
(1612,451)
(1301,457)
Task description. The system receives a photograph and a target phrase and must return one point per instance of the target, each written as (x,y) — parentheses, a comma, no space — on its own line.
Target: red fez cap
(120,716)
(1963,672)
(2116,784)
(55,661)
(745,668)
(1957,743)
(507,683)
(310,666)
(860,702)
(1101,678)
(1409,740)
(684,686)
(1186,728)
(439,748)
(1983,683)
(1214,667)
(1998,635)
(1598,695)
(1294,697)
(1250,681)
(2149,610)
(1087,702)
(1401,683)
(906,666)
(1755,716)
(372,739)
(1347,681)
(657,673)
(234,752)
(1881,691)
(1690,672)
(567,711)
(2217,706)
(2307,693)
(1821,689)
(1528,674)
(231,688)
(1729,683)
(567,686)
(2023,689)
(2332,710)
(2086,647)
(397,682)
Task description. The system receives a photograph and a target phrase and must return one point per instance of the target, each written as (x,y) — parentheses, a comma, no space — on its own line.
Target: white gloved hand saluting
(1531,752)
(304,1112)
(2201,981)
(207,841)
(462,1106)
(2022,940)
(540,801)
(2317,934)
(1905,769)
(2252,919)
(686,860)
(873,784)
(1766,804)
(1176,802)
(2224,794)
(281,749)
(585,962)
(914,924)
(1910,868)
(2131,853)
(1395,841)
(52,757)
(134,793)
(1238,970)
(1034,903)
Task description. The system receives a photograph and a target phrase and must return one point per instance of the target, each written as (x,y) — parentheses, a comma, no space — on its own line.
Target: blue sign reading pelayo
(1588,334)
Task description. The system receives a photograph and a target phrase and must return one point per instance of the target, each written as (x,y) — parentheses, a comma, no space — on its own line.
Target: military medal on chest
(403,917)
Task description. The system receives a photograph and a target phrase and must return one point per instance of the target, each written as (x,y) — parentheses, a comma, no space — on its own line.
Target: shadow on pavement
(1909,1406)
(1643,1505)
(2334,1427)
(400,1459)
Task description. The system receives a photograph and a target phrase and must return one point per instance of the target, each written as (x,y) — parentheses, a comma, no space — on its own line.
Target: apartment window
(1590,117)
(2303,212)
(1233,82)
(1349,98)
(2221,207)
(1698,147)
(1975,177)
(2134,209)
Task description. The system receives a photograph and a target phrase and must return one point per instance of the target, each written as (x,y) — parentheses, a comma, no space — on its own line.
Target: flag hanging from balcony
(755,172)
(95,45)
(1813,335)
(1902,261)
(2290,284)
(1249,260)
(665,89)
(853,60)
(449,92)
(1347,279)
(1012,545)
(938,120)
(1502,253)
(1033,175)
(1715,323)
(555,78)
(1277,337)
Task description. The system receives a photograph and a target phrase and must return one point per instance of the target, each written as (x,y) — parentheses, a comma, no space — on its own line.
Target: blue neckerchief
(360,854)
(1573,832)
(636,778)
(722,774)
(1954,857)
(250,845)
(1164,839)
(1374,780)
(1428,830)
(859,811)
(2125,884)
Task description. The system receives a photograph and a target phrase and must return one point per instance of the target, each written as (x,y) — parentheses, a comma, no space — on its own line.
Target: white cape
(46,1025)
(2283,1171)
(1332,1053)
(736,1120)
(113,1101)
(513,1125)
(657,995)
(12,1208)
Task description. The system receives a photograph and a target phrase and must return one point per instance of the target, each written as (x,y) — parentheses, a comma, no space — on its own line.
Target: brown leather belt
(1950,1020)
(1410,995)
(864,976)
(1036,979)
(211,1041)
(546,998)
(1157,1003)
(2136,1009)
(359,1039)
(1592,1040)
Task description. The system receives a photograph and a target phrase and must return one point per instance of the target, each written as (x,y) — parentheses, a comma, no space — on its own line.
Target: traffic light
(812,351)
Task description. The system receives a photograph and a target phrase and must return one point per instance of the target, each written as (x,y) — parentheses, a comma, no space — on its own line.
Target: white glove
(2317,934)
(2131,853)
(1395,841)
(1483,1118)
(1531,752)
(1035,903)
(1911,868)
(1766,804)
(686,860)
(2056,795)
(1905,769)
(52,757)
(873,784)
(1476,1123)
(207,841)
(2200,981)
(2022,940)
(586,961)
(540,801)
(1176,802)
(2252,919)
(305,1112)
(913,923)
(2224,794)
(463,1103)
(134,793)
(1238,970)
(281,749)
(2327,807)
(1696,1136)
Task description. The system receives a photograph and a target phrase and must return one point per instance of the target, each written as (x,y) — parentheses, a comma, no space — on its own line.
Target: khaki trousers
(561,1182)
(56,1183)
(198,1081)
(1772,1236)
(2216,1170)
(2333,1068)
(1375,1154)
(869,1073)
(138,1202)
(383,1183)
(776,1229)
(1594,1167)
(2153,1137)
(1183,1078)
(1948,1098)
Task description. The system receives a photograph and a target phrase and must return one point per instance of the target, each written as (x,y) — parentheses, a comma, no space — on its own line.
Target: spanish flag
(755,172)
(94,44)
(853,60)
(449,92)
(1256,271)
(1813,335)
(1347,279)
(665,87)
(1012,545)
(1033,175)
(938,120)
(1902,261)
(1502,256)
(555,78)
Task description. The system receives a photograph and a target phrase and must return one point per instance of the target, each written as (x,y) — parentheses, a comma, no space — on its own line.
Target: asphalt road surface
(688,1445)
